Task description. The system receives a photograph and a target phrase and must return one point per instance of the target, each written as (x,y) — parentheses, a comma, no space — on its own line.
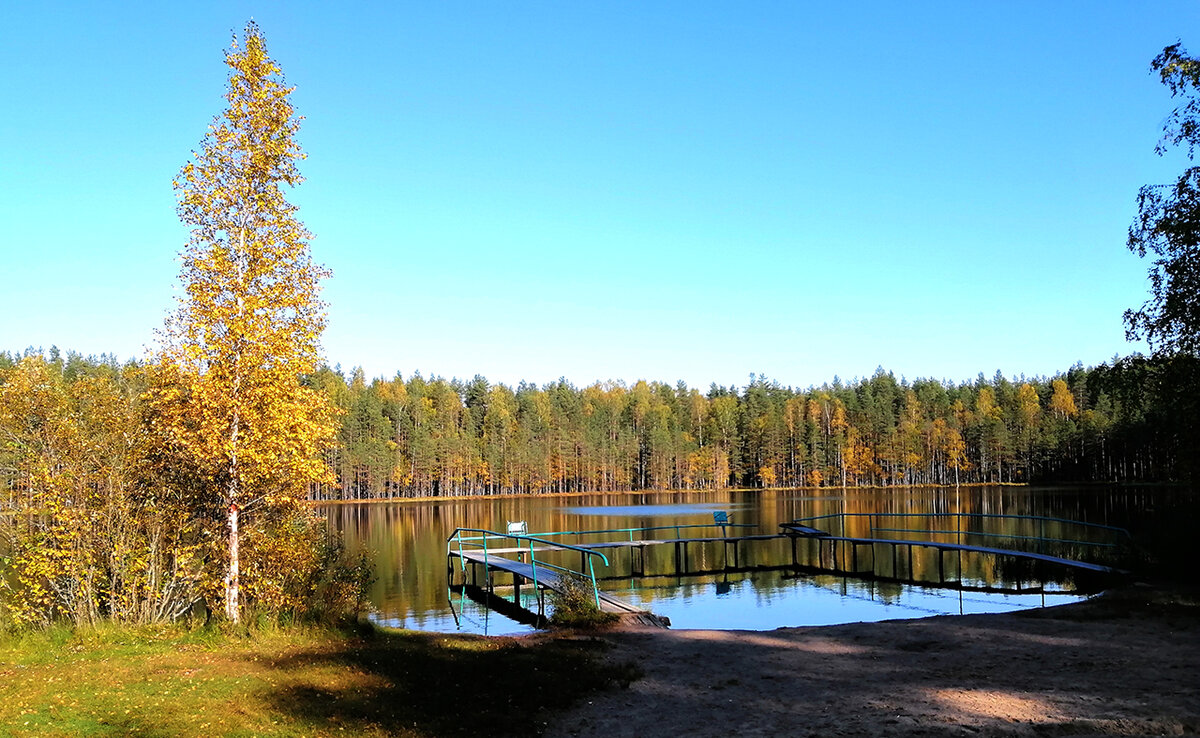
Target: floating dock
(478,557)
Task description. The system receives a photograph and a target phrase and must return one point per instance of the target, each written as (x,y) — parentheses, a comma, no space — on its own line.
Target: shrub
(297,570)
(575,605)
(343,584)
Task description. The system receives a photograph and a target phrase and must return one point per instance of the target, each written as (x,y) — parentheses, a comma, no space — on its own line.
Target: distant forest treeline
(1124,421)
(1129,420)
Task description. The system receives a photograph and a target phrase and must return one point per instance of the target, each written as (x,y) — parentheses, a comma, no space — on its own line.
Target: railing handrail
(966,515)
(984,534)
(535,539)
(641,529)
(533,562)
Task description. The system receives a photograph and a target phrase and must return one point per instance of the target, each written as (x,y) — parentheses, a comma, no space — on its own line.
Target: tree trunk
(232,585)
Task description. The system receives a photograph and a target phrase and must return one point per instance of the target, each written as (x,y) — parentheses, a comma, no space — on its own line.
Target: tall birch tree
(230,395)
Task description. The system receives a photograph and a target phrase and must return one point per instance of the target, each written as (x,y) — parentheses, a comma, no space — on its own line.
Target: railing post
(595,589)
(533,564)
(487,569)
(462,561)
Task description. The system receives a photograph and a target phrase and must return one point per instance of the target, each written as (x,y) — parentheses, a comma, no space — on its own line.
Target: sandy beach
(1126,663)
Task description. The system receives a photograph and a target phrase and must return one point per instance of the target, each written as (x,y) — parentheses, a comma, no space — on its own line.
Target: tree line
(1126,420)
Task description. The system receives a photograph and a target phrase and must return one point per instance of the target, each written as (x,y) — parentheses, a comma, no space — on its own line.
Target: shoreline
(725,490)
(1126,662)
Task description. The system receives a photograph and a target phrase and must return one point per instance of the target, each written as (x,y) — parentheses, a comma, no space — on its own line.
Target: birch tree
(230,395)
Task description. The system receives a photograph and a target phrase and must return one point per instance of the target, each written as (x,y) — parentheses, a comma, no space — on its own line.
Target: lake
(408,540)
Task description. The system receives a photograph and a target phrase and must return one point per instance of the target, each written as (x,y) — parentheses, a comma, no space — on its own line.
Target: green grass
(159,681)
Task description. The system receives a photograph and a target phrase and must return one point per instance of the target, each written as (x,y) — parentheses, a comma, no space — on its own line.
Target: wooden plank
(804,530)
(545,576)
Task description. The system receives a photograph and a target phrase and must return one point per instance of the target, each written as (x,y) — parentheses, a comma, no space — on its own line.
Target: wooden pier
(524,558)
(798,531)
(544,578)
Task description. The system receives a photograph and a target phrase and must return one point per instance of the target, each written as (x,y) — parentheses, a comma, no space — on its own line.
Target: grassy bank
(172,681)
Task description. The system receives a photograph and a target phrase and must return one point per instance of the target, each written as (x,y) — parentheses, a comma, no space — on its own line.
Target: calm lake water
(408,540)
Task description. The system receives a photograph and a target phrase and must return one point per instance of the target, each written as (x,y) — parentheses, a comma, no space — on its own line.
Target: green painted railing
(873,520)
(678,529)
(579,534)
(480,543)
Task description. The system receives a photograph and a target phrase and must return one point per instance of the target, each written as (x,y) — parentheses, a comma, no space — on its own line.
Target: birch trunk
(232,586)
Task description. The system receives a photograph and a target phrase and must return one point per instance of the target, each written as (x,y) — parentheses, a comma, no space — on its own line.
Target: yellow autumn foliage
(225,389)
(89,534)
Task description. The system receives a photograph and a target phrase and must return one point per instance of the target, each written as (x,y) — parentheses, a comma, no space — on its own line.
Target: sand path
(1124,664)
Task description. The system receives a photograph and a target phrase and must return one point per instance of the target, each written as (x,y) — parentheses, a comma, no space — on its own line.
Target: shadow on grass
(436,684)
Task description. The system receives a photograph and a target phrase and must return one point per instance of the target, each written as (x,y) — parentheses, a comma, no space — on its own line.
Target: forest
(1122,421)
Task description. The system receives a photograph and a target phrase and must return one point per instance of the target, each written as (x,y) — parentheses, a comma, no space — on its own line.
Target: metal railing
(480,543)
(873,519)
(644,529)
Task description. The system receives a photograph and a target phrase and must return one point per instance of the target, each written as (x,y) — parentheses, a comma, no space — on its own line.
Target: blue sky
(692,191)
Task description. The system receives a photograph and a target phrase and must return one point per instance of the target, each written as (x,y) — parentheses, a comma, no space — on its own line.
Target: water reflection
(408,540)
(742,603)
(648,511)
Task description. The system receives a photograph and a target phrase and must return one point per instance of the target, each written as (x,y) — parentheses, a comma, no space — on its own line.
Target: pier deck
(546,578)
